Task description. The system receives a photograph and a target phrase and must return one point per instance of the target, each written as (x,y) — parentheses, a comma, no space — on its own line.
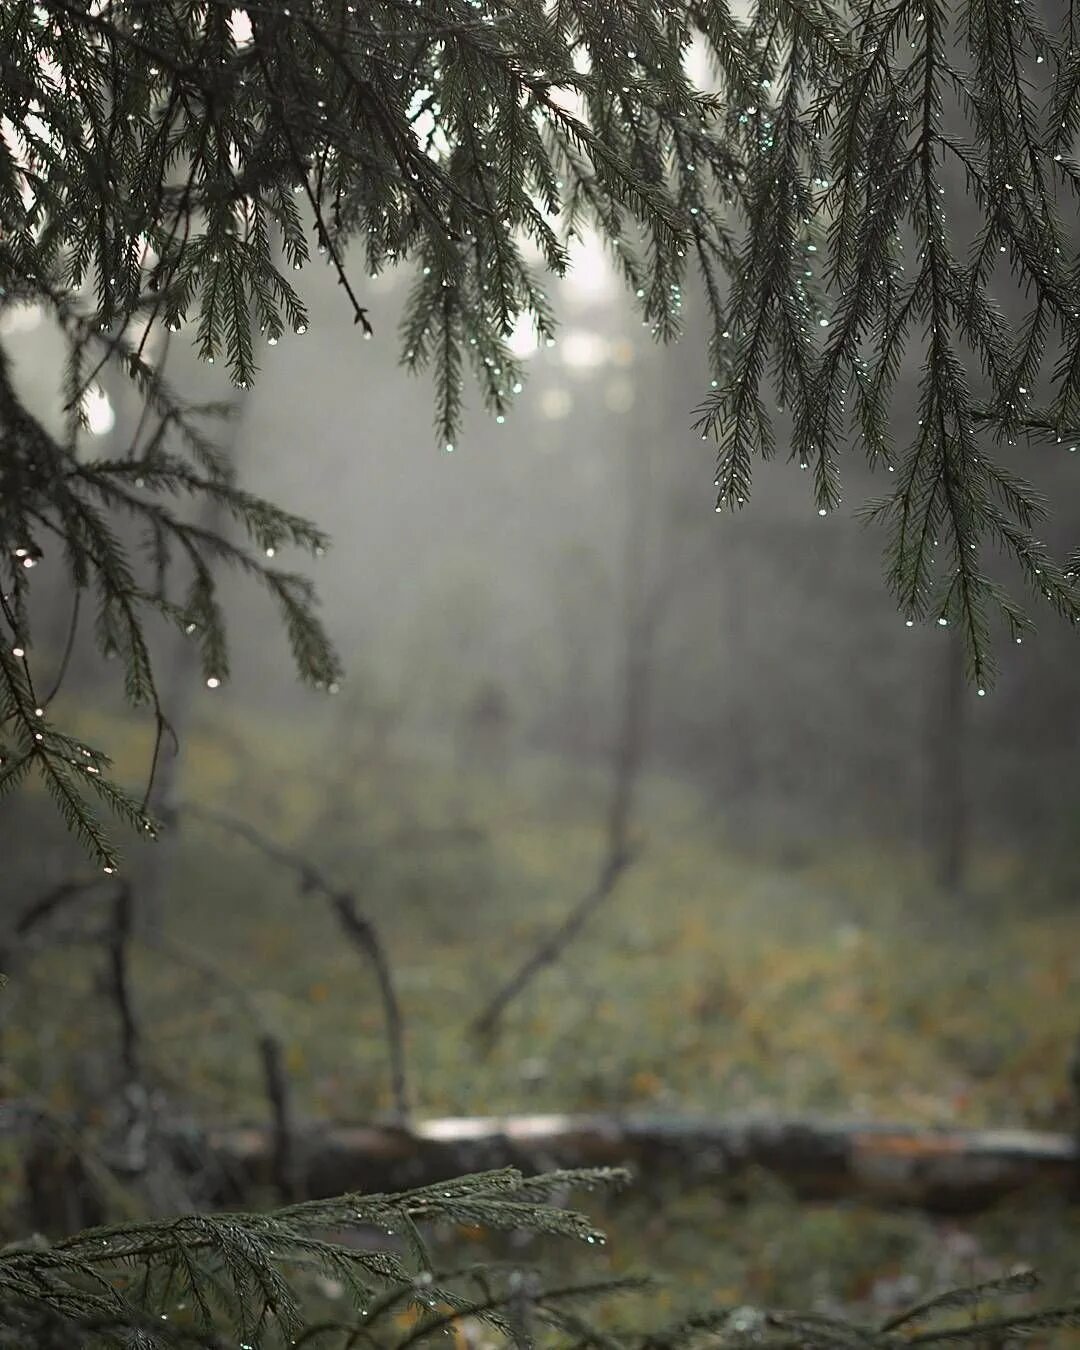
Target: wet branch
(357,927)
(619,852)
(40,910)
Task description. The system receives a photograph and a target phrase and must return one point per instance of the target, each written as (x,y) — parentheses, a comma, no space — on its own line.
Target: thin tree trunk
(947,831)
(739,751)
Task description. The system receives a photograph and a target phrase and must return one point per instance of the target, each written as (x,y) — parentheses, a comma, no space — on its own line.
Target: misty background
(785,690)
(851,879)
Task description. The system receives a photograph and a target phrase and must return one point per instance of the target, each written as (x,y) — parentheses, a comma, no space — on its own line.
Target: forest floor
(832,980)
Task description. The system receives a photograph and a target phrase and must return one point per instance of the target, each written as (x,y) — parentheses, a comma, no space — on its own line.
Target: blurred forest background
(833,879)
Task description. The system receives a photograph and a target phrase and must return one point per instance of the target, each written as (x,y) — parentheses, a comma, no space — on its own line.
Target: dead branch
(650,588)
(619,852)
(271,1058)
(41,909)
(357,927)
(487,1024)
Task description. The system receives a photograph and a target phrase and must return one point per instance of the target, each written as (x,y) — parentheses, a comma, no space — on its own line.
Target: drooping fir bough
(851,191)
(361,1270)
(256,1281)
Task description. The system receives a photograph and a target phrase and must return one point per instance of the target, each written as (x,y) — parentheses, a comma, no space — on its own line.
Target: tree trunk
(947,833)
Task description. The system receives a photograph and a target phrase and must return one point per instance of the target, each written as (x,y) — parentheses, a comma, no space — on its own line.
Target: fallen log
(937,1170)
(940,1170)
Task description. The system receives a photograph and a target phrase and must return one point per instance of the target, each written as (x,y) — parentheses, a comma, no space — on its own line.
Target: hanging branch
(357,927)
(152,165)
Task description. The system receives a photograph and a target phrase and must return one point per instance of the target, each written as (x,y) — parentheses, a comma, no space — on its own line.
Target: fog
(783,685)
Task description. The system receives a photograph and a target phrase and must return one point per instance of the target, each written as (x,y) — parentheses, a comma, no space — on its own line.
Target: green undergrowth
(834,980)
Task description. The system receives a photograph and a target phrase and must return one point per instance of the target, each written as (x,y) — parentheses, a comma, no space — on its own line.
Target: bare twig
(644,608)
(46,905)
(41,909)
(355,925)
(618,853)
(486,1025)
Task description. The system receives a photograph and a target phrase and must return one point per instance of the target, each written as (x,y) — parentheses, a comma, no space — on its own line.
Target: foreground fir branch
(251,1280)
(246,1281)
(852,191)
